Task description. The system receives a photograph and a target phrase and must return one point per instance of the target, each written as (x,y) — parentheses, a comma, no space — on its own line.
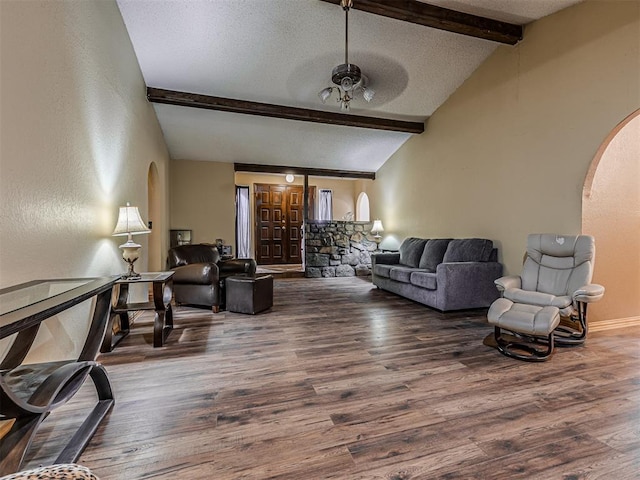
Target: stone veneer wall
(338,248)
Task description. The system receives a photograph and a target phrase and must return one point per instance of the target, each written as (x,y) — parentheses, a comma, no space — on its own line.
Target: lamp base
(377,238)
(131,273)
(130,253)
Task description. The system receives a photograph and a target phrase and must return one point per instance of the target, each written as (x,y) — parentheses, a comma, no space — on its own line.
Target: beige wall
(344,190)
(611,213)
(507,154)
(344,198)
(78,138)
(203,200)
(203,196)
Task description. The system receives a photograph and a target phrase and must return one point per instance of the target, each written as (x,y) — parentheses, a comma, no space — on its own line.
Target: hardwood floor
(343,381)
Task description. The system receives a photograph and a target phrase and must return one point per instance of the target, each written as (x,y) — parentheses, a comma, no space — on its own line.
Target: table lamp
(130,223)
(376,229)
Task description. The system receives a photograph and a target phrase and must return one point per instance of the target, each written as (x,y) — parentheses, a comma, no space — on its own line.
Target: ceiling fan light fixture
(325,93)
(368,94)
(345,73)
(347,77)
(346,83)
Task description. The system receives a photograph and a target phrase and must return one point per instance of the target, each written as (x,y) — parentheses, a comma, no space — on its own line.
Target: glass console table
(28,393)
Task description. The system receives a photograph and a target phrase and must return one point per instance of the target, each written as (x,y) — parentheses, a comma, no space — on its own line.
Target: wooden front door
(279,217)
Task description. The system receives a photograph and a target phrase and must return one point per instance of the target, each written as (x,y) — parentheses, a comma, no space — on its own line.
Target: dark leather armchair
(200,274)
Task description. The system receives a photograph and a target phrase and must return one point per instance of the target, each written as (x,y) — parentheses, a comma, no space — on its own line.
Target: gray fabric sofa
(442,273)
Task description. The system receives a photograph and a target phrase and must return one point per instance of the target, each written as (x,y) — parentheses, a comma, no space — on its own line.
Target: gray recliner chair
(554,286)
(200,274)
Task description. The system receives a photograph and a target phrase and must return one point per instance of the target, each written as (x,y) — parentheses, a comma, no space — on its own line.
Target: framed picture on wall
(179,237)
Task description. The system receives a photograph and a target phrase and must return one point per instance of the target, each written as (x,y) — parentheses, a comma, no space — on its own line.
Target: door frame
(256,220)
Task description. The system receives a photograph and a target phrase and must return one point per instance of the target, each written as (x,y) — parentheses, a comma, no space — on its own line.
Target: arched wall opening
(611,213)
(362,208)
(155,259)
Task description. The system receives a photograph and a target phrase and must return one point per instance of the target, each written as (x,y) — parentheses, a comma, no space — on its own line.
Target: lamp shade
(377,226)
(130,222)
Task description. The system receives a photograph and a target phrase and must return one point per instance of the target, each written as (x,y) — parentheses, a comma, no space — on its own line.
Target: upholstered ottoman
(531,323)
(249,294)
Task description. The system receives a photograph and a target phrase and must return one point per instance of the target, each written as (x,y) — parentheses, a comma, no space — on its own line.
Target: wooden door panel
(294,256)
(295,245)
(270,210)
(279,216)
(295,199)
(295,217)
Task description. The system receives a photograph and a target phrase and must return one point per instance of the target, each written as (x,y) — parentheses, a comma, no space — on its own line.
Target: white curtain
(243,223)
(325,205)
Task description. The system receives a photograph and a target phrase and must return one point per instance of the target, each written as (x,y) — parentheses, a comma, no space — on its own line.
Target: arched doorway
(156,261)
(611,213)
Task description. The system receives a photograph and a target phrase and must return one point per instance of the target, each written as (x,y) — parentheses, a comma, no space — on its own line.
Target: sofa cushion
(382,270)
(424,279)
(433,253)
(411,251)
(468,250)
(402,274)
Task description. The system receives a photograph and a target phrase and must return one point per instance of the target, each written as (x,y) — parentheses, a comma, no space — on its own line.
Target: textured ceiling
(282,52)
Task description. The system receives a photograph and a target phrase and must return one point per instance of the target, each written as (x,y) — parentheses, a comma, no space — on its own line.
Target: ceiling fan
(347,78)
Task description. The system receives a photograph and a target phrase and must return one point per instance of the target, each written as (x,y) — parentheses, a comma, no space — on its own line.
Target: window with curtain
(243,223)
(325,205)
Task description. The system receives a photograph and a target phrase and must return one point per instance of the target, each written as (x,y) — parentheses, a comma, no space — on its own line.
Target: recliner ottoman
(249,294)
(529,320)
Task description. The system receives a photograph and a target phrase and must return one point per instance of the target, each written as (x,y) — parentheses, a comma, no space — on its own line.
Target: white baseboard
(614,323)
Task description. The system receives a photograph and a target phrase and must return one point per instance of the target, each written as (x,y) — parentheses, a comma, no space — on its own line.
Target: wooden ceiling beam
(314,172)
(184,99)
(441,18)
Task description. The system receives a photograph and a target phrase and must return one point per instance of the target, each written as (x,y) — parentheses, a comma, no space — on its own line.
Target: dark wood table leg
(163,321)
(110,339)
(158,327)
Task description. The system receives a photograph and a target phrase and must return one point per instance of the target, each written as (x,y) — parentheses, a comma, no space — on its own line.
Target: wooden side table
(161,303)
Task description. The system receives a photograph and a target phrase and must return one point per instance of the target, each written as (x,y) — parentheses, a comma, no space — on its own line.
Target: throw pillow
(468,250)
(433,253)
(411,251)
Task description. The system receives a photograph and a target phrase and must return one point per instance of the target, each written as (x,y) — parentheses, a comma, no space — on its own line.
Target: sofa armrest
(389,258)
(237,266)
(509,281)
(589,293)
(196,274)
(466,284)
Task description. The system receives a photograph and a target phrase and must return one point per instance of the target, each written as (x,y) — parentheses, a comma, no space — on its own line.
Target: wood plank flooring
(343,381)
